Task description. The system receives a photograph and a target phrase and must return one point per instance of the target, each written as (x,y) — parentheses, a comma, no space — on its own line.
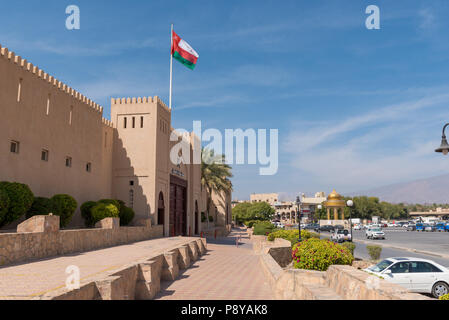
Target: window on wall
(70,115)
(89,167)
(14,148)
(44,155)
(125,120)
(19,90)
(134,122)
(48,105)
(105,139)
(141,122)
(68,162)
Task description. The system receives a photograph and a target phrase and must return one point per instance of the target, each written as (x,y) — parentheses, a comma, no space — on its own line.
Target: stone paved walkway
(25,281)
(226,272)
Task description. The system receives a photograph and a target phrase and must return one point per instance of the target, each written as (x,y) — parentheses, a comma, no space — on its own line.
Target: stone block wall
(138,281)
(26,246)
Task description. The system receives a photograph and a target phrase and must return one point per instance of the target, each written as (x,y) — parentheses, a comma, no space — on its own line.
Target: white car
(358,227)
(375,233)
(340,236)
(417,275)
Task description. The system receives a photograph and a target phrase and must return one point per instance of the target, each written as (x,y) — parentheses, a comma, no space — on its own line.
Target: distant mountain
(424,191)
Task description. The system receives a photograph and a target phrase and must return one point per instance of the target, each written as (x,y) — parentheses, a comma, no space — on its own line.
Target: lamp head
(350,203)
(444,148)
(320,207)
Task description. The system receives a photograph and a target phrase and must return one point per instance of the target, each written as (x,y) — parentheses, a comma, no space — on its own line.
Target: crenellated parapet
(41,74)
(107,122)
(139,100)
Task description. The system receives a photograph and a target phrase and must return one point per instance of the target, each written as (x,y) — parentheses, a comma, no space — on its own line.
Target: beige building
(270,198)
(56,140)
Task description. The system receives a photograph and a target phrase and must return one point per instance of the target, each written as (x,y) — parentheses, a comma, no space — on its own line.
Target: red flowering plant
(315,254)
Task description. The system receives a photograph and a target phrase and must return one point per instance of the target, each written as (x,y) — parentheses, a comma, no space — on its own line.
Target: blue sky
(355,108)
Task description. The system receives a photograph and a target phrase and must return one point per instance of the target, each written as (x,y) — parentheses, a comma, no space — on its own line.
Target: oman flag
(183,52)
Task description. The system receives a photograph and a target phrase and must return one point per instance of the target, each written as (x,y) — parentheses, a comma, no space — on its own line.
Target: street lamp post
(298,213)
(319,218)
(444,148)
(350,204)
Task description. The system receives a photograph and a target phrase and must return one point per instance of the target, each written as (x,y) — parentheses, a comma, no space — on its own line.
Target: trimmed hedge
(263,228)
(40,206)
(126,215)
(20,200)
(63,206)
(104,210)
(374,252)
(86,213)
(251,223)
(350,246)
(4,204)
(315,254)
(291,235)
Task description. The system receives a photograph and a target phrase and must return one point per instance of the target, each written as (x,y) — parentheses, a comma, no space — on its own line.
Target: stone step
(322,292)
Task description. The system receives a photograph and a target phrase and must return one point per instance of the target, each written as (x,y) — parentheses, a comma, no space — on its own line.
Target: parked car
(447,227)
(419,227)
(327,228)
(358,227)
(411,227)
(417,275)
(375,233)
(312,226)
(340,236)
(430,228)
(441,227)
(339,227)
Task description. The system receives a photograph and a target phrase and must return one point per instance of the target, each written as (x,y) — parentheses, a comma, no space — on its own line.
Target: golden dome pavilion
(336,202)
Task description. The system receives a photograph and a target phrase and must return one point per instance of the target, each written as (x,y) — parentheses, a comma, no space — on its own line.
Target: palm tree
(215,174)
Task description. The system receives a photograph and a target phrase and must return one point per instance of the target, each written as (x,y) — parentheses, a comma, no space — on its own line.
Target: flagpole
(171,67)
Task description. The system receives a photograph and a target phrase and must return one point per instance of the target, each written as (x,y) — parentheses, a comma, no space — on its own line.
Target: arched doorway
(197,218)
(161,212)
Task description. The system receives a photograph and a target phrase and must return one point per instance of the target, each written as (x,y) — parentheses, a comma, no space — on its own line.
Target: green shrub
(291,235)
(350,246)
(445,297)
(263,228)
(315,254)
(4,204)
(86,213)
(126,215)
(104,210)
(374,252)
(40,206)
(251,223)
(63,206)
(112,201)
(20,201)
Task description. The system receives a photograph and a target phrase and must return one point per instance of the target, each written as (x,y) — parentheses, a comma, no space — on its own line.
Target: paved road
(436,242)
(224,273)
(400,243)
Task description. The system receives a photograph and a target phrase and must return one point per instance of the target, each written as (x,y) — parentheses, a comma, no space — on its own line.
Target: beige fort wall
(71,126)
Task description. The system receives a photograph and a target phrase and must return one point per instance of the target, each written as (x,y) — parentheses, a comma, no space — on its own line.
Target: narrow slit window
(141,122)
(19,90)
(48,105)
(14,147)
(105,139)
(44,155)
(89,167)
(134,122)
(70,115)
(125,120)
(68,162)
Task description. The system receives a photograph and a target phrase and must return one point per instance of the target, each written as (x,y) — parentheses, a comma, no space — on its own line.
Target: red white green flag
(183,52)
